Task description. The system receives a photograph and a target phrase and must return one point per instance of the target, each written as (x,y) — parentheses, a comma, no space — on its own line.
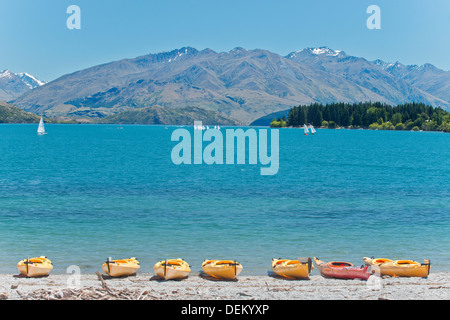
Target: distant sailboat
(41,128)
(305,128)
(312,129)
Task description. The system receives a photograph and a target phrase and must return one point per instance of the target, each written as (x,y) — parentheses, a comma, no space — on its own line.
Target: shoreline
(148,286)
(359,128)
(227,126)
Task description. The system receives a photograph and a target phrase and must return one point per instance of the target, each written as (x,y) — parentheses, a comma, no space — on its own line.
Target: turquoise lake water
(83,193)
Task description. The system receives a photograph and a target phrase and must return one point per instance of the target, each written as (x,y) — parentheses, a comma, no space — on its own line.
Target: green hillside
(169,116)
(12,114)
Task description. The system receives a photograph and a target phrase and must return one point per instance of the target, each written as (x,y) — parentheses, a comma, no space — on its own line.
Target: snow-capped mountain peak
(6,74)
(320,51)
(13,84)
(31,81)
(324,50)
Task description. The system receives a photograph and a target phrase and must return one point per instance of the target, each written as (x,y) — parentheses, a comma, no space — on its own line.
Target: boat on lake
(41,127)
(305,129)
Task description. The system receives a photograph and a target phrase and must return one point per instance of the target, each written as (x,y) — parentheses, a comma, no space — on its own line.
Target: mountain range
(242,84)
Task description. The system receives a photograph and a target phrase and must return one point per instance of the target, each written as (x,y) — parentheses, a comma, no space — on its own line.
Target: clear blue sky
(34,37)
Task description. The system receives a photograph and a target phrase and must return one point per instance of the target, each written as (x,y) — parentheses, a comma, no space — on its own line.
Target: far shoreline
(366,129)
(227,126)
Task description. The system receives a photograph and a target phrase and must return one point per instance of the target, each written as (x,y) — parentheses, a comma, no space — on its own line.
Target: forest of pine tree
(371,115)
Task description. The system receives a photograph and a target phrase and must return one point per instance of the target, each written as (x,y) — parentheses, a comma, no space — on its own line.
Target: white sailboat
(305,128)
(312,129)
(41,128)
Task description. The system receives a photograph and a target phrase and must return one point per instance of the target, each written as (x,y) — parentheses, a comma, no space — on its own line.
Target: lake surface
(83,193)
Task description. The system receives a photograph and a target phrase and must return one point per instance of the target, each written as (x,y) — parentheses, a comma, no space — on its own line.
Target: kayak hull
(172,269)
(222,269)
(399,268)
(292,269)
(35,267)
(121,268)
(341,270)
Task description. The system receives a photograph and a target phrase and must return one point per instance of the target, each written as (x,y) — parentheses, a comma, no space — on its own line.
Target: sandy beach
(199,287)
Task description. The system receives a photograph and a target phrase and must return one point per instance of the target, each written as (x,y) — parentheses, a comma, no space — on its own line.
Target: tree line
(371,115)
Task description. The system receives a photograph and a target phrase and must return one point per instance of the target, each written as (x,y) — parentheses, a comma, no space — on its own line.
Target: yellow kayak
(222,269)
(400,268)
(121,268)
(172,269)
(35,267)
(292,269)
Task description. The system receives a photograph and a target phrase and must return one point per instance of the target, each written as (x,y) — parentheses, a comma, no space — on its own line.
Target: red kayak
(341,270)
